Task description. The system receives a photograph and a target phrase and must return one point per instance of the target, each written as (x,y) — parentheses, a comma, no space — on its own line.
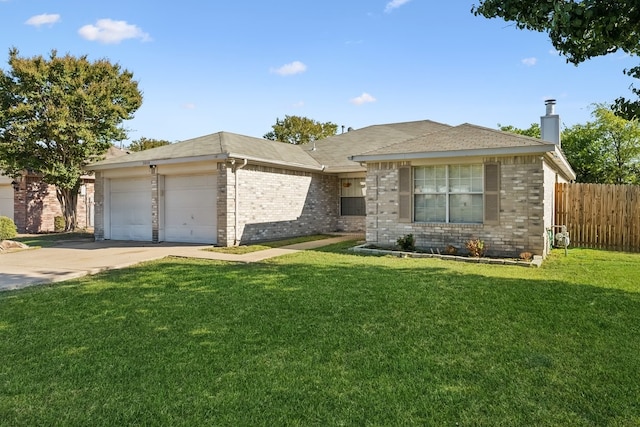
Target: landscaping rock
(6,245)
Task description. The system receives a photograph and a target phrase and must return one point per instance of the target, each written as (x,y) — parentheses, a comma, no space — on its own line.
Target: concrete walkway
(74,259)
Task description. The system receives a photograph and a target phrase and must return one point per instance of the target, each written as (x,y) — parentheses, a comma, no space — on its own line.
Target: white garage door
(6,201)
(130,209)
(190,209)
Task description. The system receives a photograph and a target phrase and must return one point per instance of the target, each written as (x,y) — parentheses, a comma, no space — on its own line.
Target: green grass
(245,249)
(51,239)
(327,337)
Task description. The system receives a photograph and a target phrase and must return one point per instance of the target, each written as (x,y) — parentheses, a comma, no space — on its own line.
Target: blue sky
(236,66)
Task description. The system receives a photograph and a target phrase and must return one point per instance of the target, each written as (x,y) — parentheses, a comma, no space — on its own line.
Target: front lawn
(328,337)
(52,239)
(245,249)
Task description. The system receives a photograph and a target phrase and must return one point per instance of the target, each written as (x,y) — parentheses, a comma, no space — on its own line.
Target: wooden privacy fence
(600,215)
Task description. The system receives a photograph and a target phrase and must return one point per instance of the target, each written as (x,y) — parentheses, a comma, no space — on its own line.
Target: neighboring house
(443,184)
(33,205)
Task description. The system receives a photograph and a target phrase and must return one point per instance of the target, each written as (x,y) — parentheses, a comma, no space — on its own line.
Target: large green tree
(60,112)
(147,143)
(300,130)
(605,150)
(579,30)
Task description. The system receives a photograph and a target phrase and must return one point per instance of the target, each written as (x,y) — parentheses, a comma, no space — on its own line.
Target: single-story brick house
(33,205)
(443,184)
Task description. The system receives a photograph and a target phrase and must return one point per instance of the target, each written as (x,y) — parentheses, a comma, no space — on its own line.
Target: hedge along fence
(600,215)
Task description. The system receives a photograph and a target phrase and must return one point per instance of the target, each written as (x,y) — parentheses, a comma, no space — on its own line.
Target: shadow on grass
(320,337)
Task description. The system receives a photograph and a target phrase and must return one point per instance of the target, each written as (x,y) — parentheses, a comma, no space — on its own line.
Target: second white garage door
(190,211)
(6,200)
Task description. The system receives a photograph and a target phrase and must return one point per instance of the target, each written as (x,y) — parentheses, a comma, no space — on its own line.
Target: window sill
(448,224)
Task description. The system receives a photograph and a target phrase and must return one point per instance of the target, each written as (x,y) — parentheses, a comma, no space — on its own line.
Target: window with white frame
(448,193)
(352,193)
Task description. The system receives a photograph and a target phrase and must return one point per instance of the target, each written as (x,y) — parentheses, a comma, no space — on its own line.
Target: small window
(352,192)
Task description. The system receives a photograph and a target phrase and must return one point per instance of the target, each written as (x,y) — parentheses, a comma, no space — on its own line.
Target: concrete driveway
(75,259)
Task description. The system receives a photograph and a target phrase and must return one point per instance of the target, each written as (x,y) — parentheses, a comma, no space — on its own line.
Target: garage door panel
(6,201)
(130,209)
(188,199)
(190,209)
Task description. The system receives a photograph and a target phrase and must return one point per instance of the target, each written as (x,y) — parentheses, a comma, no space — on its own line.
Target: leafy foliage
(300,130)
(476,247)
(407,243)
(8,228)
(450,250)
(59,113)
(147,143)
(58,224)
(526,256)
(533,130)
(579,30)
(605,151)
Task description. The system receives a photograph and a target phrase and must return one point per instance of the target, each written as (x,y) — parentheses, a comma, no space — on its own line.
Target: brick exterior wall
(98,220)
(274,203)
(36,206)
(521,227)
(351,224)
(155,206)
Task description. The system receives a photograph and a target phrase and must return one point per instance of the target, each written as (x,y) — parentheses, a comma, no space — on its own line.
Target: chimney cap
(551,106)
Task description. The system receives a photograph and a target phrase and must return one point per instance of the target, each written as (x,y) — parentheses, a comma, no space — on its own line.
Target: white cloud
(530,62)
(298,104)
(189,106)
(44,19)
(108,31)
(296,67)
(394,4)
(363,99)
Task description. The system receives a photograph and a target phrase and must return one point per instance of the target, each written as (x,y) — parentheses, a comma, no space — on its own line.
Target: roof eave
(283,164)
(563,164)
(343,169)
(543,148)
(138,163)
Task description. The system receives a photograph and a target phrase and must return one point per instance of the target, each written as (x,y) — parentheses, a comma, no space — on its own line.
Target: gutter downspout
(235,213)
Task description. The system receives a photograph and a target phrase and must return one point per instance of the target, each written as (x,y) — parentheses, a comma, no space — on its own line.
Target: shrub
(407,243)
(450,250)
(58,224)
(476,247)
(8,228)
(526,256)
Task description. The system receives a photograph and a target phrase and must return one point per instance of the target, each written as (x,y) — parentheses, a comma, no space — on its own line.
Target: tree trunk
(68,198)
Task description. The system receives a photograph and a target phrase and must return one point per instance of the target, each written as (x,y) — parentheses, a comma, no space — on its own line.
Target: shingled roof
(334,152)
(468,140)
(346,152)
(221,145)
(462,140)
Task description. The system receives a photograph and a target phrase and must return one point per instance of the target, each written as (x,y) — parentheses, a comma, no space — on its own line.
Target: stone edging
(536,262)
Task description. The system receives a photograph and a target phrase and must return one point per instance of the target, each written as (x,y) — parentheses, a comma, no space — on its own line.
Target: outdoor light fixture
(16,183)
